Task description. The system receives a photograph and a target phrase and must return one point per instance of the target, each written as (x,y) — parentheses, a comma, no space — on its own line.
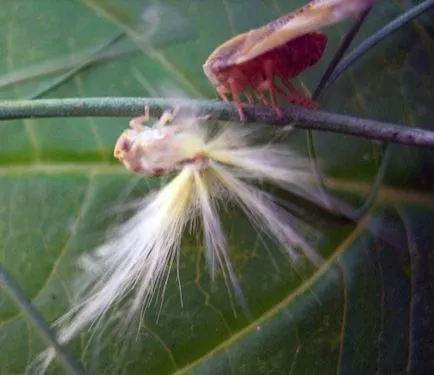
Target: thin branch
(340,52)
(301,118)
(353,57)
(376,38)
(337,57)
(13,290)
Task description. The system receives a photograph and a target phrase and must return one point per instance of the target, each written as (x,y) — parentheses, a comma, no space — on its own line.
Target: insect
(156,150)
(249,63)
(207,170)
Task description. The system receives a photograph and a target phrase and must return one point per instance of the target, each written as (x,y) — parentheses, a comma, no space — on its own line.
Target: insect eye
(125,145)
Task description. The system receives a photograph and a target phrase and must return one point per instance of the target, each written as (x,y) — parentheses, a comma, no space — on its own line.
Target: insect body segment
(249,63)
(158,149)
(257,76)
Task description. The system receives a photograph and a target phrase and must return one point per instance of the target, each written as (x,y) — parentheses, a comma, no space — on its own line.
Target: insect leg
(268,84)
(137,122)
(306,90)
(249,98)
(296,97)
(237,99)
(221,91)
(203,118)
(261,97)
(167,117)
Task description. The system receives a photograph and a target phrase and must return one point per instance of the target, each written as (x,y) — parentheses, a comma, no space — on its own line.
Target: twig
(376,38)
(353,57)
(340,52)
(337,57)
(303,118)
(334,71)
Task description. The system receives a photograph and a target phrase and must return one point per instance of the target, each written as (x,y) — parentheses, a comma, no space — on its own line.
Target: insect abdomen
(297,55)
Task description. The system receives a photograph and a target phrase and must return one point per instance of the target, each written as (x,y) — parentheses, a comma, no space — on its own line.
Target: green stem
(353,57)
(339,54)
(376,38)
(303,118)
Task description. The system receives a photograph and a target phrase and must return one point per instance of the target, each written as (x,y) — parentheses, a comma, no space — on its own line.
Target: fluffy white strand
(262,211)
(134,261)
(136,257)
(215,239)
(273,162)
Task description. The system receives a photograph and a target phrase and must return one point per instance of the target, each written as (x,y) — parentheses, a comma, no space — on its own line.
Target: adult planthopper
(249,63)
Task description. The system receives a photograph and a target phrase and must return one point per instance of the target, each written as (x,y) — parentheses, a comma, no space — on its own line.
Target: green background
(367,310)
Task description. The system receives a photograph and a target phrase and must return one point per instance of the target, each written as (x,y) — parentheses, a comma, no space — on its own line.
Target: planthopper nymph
(205,170)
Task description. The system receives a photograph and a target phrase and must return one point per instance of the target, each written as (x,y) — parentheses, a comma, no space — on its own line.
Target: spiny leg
(222,91)
(295,97)
(167,117)
(249,97)
(268,83)
(237,100)
(306,90)
(137,122)
(261,97)
(274,102)
(204,118)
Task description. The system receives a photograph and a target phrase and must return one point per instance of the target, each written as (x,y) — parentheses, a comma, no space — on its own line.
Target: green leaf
(367,310)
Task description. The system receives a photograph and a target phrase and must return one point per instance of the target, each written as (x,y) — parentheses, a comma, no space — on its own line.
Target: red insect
(250,62)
